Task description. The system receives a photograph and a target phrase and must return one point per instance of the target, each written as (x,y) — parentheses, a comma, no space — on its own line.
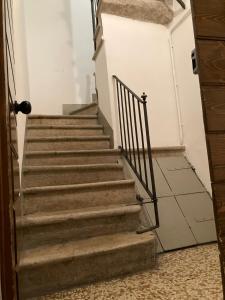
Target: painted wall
(138,53)
(157,60)
(83,49)
(59,50)
(190,99)
(102,83)
(21,70)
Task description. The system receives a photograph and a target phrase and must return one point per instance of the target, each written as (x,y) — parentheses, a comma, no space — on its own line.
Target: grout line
(175,197)
(186,220)
(163,174)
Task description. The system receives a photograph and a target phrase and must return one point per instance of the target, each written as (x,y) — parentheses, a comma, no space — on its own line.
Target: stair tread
(87,106)
(41,126)
(87,213)
(72,167)
(62,117)
(88,247)
(77,186)
(69,138)
(95,151)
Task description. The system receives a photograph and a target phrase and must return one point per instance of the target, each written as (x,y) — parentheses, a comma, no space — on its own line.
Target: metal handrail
(135,141)
(94,9)
(182,4)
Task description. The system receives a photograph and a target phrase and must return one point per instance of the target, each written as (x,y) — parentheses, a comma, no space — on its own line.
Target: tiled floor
(182,196)
(191,274)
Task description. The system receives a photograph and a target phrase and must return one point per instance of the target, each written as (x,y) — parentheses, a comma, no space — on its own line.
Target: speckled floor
(191,274)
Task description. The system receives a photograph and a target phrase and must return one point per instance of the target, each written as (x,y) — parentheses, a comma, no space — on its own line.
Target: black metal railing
(182,4)
(135,140)
(94,9)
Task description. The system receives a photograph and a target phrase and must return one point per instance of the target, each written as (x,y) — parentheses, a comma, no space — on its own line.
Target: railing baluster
(131,129)
(143,145)
(137,141)
(133,120)
(119,108)
(128,130)
(150,161)
(124,130)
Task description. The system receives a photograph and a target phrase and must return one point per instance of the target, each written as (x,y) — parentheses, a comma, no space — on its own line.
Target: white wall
(83,49)
(60,70)
(21,71)
(138,53)
(188,88)
(102,83)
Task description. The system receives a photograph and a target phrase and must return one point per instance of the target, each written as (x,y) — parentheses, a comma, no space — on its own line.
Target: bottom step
(53,268)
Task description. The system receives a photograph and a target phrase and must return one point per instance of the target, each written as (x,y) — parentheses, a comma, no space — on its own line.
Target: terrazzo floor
(190,274)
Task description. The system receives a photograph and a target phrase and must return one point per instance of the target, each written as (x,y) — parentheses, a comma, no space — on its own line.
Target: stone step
(78,196)
(63,130)
(62,120)
(50,268)
(68,143)
(79,157)
(89,109)
(63,175)
(58,228)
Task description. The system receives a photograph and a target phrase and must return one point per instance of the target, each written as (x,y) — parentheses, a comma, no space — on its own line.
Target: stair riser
(71,176)
(67,145)
(70,159)
(62,121)
(62,232)
(63,132)
(79,199)
(87,111)
(86,269)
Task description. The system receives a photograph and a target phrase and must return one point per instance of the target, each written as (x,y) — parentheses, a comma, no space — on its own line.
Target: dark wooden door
(209,28)
(9,171)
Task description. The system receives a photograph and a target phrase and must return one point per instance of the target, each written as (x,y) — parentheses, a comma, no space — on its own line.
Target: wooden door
(209,28)
(9,171)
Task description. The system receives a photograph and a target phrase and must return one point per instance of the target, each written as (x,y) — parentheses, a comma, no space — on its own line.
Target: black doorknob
(24,107)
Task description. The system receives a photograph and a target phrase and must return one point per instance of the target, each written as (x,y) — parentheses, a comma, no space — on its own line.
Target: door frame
(208,25)
(7,268)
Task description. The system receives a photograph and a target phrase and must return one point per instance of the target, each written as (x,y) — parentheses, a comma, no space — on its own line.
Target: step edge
(30,117)
(77,152)
(37,126)
(70,138)
(35,220)
(113,248)
(50,168)
(116,183)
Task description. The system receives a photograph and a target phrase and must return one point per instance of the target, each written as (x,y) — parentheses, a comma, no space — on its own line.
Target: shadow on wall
(79,23)
(59,50)
(65,14)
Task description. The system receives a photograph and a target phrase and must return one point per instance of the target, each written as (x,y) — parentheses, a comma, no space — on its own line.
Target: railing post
(144,97)
(120,118)
(143,144)
(93,13)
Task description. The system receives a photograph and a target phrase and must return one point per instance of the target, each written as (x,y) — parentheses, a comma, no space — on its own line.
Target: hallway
(191,274)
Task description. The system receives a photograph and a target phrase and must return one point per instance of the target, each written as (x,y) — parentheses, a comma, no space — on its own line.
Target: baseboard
(107,128)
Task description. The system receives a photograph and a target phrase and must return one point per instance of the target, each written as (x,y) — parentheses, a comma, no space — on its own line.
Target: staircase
(80,213)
